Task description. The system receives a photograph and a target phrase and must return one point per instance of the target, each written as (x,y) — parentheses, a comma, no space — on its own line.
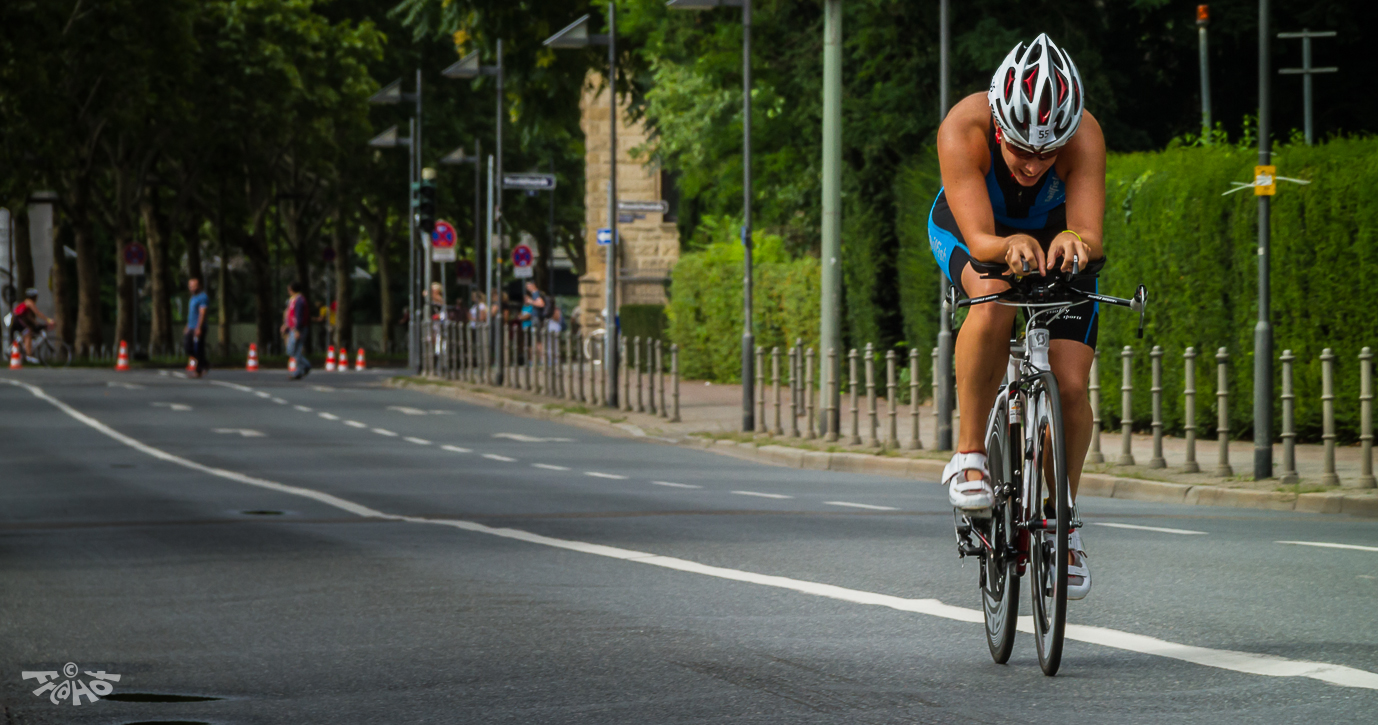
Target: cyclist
(1023,169)
(25,316)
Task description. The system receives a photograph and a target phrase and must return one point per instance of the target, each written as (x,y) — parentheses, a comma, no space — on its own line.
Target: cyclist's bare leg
(1071,363)
(28,342)
(982,351)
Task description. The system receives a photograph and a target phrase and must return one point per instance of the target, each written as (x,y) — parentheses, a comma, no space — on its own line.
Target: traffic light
(425,206)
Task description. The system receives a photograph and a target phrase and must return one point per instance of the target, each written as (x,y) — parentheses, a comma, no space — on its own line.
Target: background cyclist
(25,319)
(1023,170)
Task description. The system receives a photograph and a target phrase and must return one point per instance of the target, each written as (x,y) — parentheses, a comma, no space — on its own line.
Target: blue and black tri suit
(1039,211)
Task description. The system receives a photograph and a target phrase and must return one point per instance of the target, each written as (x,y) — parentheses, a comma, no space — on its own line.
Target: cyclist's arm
(1082,166)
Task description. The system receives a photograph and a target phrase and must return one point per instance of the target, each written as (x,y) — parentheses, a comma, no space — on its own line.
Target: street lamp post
(1306,71)
(1263,330)
(1203,20)
(748,333)
(457,157)
(943,370)
(577,35)
(389,95)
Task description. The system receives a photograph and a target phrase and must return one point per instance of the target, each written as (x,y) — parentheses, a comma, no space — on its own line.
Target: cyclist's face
(1026,167)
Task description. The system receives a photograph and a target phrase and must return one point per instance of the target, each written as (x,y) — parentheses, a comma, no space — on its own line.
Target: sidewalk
(712,416)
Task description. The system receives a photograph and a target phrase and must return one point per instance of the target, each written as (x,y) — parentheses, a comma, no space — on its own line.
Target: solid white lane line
(761,495)
(496,457)
(303,408)
(236,386)
(861,505)
(355,424)
(456,449)
(549,467)
(674,485)
(1159,529)
(1355,547)
(1245,662)
(613,476)
(384,432)
(417,441)
(329,416)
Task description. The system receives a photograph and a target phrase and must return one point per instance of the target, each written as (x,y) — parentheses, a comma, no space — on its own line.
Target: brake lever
(1138,304)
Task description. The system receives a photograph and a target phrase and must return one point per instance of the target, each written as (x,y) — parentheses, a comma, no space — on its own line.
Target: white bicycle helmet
(1036,96)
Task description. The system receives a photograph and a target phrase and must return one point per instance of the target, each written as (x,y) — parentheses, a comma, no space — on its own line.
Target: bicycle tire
(53,353)
(1048,553)
(1000,567)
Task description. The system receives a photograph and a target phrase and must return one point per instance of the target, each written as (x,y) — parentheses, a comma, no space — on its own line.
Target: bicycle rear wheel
(53,353)
(999,568)
(1048,547)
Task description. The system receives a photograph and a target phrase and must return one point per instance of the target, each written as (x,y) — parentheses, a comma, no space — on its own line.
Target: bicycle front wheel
(1000,565)
(1050,502)
(53,353)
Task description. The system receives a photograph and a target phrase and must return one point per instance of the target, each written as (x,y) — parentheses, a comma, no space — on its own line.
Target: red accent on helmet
(1061,88)
(1009,84)
(1029,82)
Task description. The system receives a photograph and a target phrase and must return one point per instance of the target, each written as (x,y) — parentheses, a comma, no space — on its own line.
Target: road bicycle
(48,350)
(1032,513)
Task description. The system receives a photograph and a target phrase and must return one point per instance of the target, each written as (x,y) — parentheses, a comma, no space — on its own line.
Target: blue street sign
(604,237)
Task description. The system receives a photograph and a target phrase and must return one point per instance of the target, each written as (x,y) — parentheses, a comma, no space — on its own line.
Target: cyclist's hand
(1024,255)
(1066,246)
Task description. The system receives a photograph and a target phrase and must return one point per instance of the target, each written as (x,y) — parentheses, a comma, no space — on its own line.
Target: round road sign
(464,269)
(521,256)
(135,253)
(444,234)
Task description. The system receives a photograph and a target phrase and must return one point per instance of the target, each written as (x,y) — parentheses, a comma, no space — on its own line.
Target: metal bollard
(1222,422)
(892,435)
(1189,410)
(851,388)
(1328,478)
(1289,426)
(914,442)
(1126,408)
(933,371)
(812,428)
(661,409)
(830,421)
(793,393)
(626,373)
(1156,354)
(872,439)
(1366,479)
(636,363)
(532,377)
(775,378)
(760,402)
(674,379)
(1095,455)
(798,374)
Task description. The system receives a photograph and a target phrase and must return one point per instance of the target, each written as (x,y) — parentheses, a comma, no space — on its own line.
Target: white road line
(242,432)
(761,495)
(549,467)
(861,506)
(236,386)
(613,476)
(329,416)
(303,408)
(456,449)
(179,407)
(262,394)
(1355,547)
(1245,662)
(279,401)
(496,457)
(179,374)
(674,485)
(417,441)
(384,432)
(1159,529)
(355,424)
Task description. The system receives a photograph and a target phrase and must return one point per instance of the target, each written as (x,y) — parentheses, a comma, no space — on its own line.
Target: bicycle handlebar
(1050,290)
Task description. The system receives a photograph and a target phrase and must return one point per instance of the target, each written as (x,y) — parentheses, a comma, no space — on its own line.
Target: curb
(1092,484)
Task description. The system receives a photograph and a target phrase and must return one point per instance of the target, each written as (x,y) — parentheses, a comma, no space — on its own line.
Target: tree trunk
(124,290)
(155,230)
(386,307)
(64,285)
(256,249)
(191,236)
(23,255)
(343,241)
(88,337)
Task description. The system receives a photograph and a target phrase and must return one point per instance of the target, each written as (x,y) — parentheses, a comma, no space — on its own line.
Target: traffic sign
(604,237)
(135,256)
(522,256)
(658,207)
(443,242)
(464,271)
(533,182)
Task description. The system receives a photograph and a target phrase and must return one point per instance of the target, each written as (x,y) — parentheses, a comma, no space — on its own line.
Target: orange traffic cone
(291,366)
(122,360)
(330,359)
(252,364)
(191,364)
(16,360)
(359,361)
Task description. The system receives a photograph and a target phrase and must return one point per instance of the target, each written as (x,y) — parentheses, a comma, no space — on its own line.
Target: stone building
(650,241)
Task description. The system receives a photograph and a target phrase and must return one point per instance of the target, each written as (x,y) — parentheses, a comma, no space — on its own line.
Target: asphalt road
(338,552)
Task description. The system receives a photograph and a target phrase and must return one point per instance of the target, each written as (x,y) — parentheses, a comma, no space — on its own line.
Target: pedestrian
(537,301)
(296,322)
(478,311)
(194,337)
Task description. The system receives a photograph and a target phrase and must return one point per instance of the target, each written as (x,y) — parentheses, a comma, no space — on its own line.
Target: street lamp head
(389,94)
(458,157)
(466,67)
(575,35)
(385,140)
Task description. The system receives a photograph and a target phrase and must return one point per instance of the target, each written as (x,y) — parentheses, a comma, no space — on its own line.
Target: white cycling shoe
(969,496)
(1078,571)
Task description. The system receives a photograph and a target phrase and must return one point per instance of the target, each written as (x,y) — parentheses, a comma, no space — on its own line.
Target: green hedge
(705,310)
(1168,227)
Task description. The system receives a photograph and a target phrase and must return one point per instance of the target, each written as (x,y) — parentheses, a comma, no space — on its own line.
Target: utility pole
(748,338)
(830,334)
(1263,331)
(1306,71)
(943,370)
(1203,19)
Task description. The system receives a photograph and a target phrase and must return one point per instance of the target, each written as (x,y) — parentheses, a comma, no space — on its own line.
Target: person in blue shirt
(296,322)
(194,337)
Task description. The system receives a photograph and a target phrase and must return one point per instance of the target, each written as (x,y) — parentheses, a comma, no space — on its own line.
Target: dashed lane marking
(761,495)
(1322,544)
(673,485)
(549,467)
(178,407)
(384,432)
(243,432)
(355,424)
(599,474)
(417,441)
(496,457)
(1159,529)
(456,449)
(262,394)
(234,386)
(872,507)
(523,438)
(1245,662)
(329,416)
(279,401)
(303,408)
